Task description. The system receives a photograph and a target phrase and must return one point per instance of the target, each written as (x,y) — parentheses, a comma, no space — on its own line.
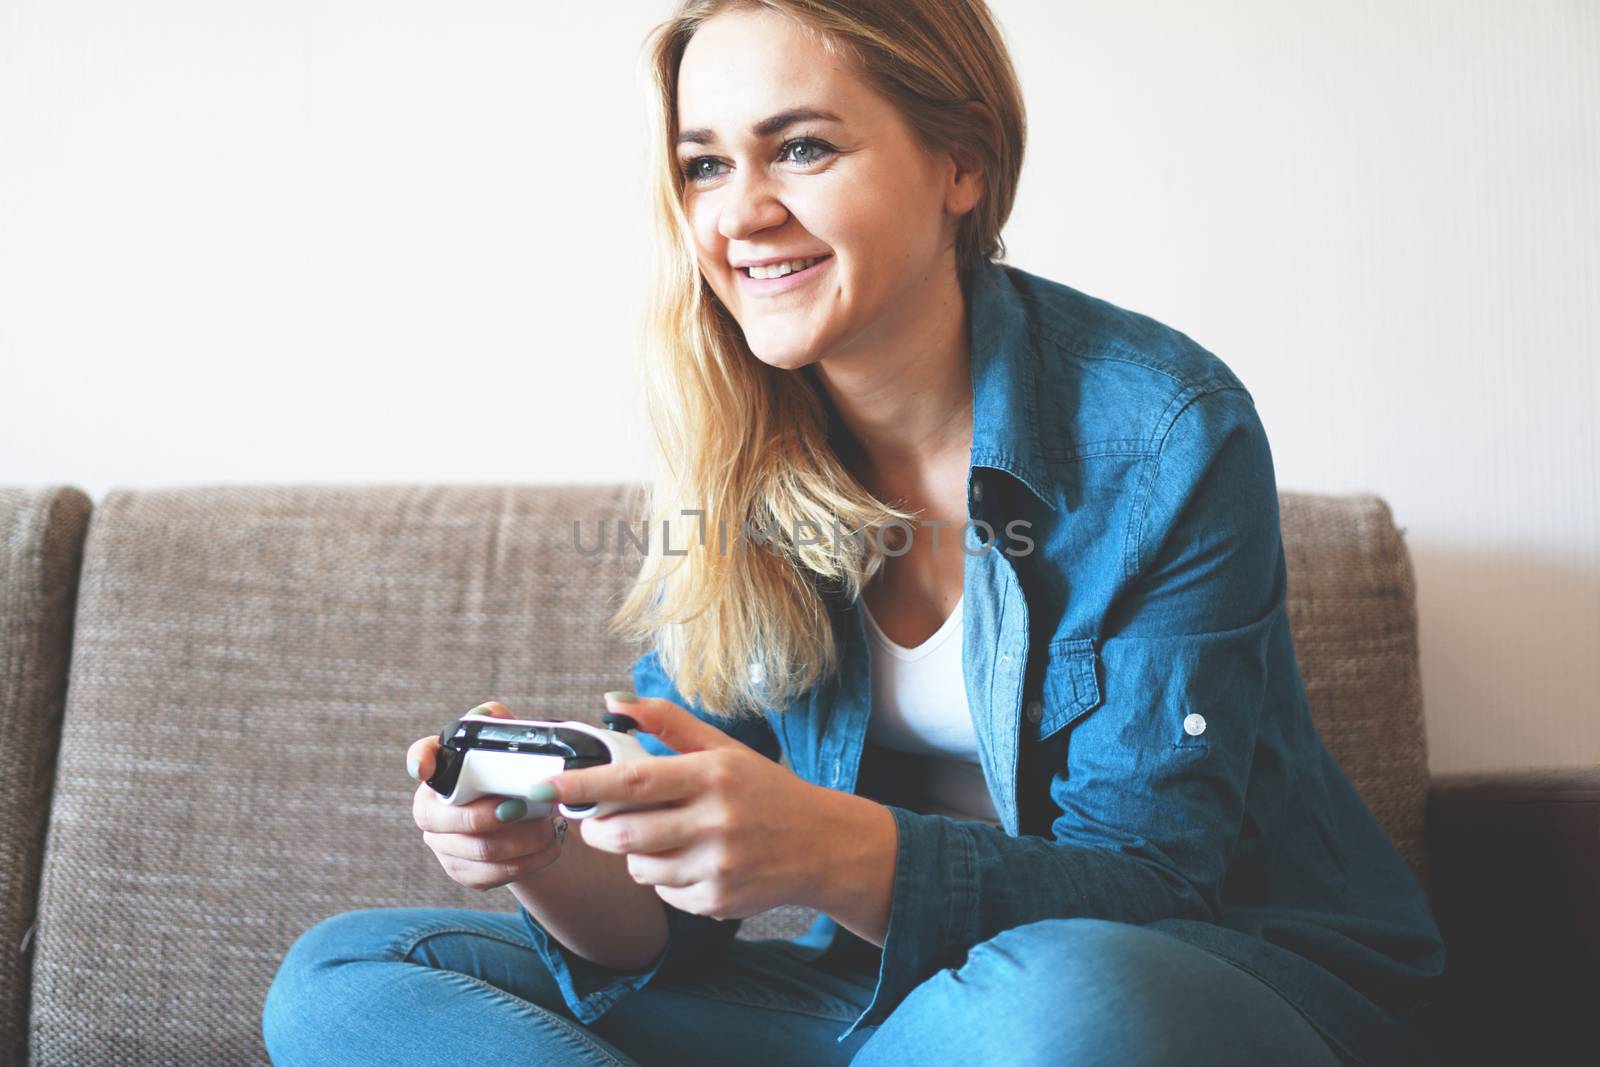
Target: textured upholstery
(1352,610)
(41,545)
(250,664)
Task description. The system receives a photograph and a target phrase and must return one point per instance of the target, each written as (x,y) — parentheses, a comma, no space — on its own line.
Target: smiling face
(791,156)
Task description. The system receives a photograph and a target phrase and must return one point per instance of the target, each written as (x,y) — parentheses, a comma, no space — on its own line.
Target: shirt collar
(1005,360)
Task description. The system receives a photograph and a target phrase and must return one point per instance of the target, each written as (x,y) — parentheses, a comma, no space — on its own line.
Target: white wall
(352,241)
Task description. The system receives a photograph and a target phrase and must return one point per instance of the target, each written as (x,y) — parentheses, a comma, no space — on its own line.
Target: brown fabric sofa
(206,695)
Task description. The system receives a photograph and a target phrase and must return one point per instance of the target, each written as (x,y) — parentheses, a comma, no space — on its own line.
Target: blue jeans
(445,986)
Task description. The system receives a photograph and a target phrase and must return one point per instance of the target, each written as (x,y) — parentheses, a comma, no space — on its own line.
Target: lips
(789,281)
(778,259)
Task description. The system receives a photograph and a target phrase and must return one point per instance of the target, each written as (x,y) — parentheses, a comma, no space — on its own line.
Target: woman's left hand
(735,833)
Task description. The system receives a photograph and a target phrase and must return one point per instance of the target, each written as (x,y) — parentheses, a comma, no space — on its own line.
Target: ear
(967,180)
(966,190)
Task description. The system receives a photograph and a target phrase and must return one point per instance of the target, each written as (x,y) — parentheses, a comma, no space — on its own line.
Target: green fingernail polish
(414,766)
(622,696)
(541,793)
(511,811)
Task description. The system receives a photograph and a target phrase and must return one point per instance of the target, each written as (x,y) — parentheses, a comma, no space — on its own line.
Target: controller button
(617,721)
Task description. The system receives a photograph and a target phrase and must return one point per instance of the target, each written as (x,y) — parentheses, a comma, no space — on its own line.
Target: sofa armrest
(1514,861)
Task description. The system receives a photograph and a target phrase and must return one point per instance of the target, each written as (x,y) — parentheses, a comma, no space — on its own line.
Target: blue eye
(692,170)
(813,151)
(817,149)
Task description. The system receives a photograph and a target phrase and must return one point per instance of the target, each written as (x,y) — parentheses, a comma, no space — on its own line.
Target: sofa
(206,694)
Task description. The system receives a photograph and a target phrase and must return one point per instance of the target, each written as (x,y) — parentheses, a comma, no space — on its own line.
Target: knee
(1080,988)
(353,935)
(306,978)
(1100,991)
(1081,962)
(1093,991)
(1074,952)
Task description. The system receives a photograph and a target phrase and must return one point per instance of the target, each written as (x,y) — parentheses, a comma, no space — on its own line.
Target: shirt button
(838,771)
(1194,725)
(1034,710)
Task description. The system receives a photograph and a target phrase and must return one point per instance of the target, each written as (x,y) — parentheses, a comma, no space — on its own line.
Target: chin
(784,359)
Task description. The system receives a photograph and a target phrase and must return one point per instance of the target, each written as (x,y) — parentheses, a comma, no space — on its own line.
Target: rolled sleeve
(931,908)
(694,942)
(1150,791)
(590,989)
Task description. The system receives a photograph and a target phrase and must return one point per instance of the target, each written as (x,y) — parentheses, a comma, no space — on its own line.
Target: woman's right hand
(471,843)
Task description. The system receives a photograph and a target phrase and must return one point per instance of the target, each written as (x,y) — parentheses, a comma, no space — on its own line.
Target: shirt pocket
(1070,691)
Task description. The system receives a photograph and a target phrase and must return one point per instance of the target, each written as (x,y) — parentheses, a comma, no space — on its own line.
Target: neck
(905,393)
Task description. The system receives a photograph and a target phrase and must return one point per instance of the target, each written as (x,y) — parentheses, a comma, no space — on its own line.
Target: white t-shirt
(919,706)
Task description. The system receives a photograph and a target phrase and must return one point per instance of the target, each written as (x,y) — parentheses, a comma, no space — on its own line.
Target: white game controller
(480,755)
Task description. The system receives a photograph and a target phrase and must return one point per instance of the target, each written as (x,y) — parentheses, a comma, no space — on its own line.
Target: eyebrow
(766,127)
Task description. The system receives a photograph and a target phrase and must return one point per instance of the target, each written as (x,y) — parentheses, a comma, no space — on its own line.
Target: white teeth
(778,270)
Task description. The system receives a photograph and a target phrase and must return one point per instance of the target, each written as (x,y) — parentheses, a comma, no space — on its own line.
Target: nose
(749,206)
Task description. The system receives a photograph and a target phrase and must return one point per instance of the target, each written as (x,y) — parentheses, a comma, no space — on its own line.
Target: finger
(493,707)
(486,876)
(505,845)
(697,899)
(433,812)
(628,832)
(639,781)
(420,758)
(680,730)
(664,870)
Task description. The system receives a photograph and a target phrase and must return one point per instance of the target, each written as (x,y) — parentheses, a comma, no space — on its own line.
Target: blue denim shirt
(1154,592)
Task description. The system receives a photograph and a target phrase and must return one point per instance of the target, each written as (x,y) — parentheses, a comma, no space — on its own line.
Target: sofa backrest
(41,547)
(250,665)
(1353,614)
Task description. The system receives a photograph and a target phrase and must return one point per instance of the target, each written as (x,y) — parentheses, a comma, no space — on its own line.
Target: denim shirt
(1139,711)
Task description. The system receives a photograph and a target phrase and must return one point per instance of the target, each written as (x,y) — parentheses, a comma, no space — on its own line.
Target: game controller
(480,755)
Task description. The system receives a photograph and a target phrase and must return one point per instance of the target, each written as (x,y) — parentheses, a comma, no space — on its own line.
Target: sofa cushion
(1352,611)
(41,546)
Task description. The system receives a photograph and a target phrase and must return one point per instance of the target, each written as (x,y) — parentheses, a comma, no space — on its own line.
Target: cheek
(836,215)
(908,205)
(710,247)
(883,224)
(702,215)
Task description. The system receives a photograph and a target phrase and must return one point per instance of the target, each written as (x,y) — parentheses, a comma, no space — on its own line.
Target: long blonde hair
(742,446)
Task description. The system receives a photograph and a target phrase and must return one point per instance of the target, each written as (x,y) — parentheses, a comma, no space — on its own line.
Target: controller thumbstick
(617,721)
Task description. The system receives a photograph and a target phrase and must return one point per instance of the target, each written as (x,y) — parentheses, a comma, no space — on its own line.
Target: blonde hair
(739,629)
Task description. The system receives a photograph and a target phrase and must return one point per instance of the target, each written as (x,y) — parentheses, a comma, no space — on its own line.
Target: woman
(1087,820)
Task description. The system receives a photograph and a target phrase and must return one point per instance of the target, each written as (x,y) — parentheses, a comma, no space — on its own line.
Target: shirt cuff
(929,928)
(590,989)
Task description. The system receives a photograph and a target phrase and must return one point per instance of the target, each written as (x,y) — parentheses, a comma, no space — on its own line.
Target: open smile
(792,280)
